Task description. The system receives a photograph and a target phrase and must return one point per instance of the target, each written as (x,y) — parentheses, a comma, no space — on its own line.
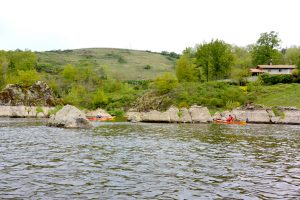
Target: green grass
(279,95)
(122,64)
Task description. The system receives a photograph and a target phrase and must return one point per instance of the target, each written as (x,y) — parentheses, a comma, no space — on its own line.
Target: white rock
(200,114)
(69,117)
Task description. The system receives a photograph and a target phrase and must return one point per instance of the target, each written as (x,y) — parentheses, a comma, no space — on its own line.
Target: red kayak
(218,121)
(102,119)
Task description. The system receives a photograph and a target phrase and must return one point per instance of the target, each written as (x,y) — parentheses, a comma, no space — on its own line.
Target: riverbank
(199,114)
(25,111)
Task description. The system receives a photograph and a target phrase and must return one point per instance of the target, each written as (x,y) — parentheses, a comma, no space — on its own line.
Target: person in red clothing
(229,118)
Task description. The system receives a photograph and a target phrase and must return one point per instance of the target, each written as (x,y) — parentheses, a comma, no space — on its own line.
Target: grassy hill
(122,64)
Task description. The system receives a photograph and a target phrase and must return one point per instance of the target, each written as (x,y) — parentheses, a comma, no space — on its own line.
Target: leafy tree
(292,56)
(186,70)
(25,78)
(266,49)
(77,96)
(215,58)
(70,73)
(165,83)
(21,60)
(3,68)
(99,99)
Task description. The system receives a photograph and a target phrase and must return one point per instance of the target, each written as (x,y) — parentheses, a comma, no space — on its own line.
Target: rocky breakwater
(34,101)
(195,114)
(261,114)
(69,117)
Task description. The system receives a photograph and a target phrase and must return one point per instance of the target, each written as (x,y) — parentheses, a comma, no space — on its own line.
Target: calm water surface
(149,161)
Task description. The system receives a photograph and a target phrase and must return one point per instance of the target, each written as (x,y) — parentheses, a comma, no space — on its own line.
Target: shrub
(99,99)
(165,83)
(147,67)
(25,78)
(275,79)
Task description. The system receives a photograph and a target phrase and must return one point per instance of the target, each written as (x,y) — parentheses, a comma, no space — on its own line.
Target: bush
(99,99)
(147,67)
(25,78)
(275,79)
(165,83)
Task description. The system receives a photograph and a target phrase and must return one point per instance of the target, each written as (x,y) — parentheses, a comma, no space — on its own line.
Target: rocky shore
(38,100)
(199,114)
(25,111)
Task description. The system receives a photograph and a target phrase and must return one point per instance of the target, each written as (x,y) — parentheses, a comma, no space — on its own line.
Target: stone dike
(199,114)
(196,114)
(25,111)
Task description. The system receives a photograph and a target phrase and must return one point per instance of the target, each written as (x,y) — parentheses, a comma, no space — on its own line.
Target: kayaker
(229,118)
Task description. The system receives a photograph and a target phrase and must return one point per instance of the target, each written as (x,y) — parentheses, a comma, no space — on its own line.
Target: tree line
(217,60)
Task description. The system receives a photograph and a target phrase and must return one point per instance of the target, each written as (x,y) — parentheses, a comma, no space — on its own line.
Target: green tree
(165,83)
(186,70)
(242,63)
(70,74)
(77,96)
(21,60)
(25,78)
(266,49)
(292,56)
(3,68)
(99,99)
(215,59)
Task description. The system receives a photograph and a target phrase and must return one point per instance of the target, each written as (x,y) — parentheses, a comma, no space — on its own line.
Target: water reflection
(149,161)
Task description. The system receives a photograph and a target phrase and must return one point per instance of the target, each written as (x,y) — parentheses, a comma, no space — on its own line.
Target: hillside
(279,95)
(122,64)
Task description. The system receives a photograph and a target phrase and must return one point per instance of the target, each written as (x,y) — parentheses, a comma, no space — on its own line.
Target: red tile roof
(256,71)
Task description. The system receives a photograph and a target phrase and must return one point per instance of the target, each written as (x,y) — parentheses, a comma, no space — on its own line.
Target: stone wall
(24,111)
(196,114)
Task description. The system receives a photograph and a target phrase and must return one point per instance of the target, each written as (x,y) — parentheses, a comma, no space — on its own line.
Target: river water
(149,161)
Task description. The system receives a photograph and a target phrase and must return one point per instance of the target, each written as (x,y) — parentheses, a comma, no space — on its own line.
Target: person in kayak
(229,118)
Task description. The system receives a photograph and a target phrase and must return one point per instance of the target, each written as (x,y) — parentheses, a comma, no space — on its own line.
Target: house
(272,69)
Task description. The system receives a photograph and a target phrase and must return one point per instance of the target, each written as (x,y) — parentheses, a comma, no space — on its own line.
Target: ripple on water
(149,161)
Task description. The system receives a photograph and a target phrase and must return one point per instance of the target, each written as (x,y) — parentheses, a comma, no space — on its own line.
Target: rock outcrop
(69,117)
(39,94)
(25,111)
(196,114)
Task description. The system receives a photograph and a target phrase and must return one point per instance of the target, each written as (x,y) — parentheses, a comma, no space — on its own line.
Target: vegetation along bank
(212,74)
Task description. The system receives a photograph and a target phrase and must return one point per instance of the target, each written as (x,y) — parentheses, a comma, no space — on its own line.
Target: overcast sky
(155,25)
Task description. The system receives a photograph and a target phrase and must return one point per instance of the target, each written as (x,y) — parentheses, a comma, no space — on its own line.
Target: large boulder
(200,114)
(184,116)
(173,113)
(69,117)
(253,115)
(134,116)
(287,115)
(39,94)
(155,116)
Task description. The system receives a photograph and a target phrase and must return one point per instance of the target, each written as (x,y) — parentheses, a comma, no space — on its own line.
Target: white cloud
(155,25)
